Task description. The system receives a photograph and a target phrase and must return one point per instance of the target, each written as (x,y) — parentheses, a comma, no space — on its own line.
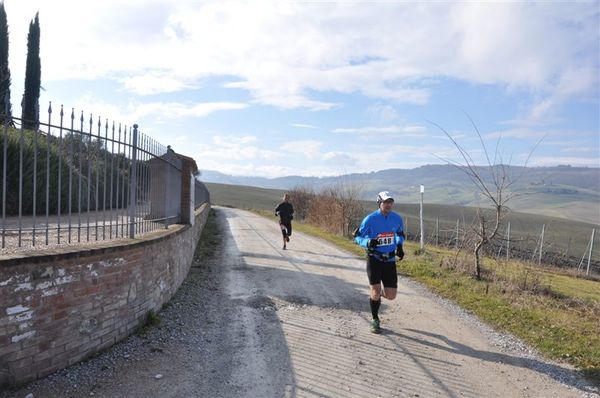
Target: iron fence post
(4,165)
(21,183)
(167,187)
(133,182)
(34,182)
(48,139)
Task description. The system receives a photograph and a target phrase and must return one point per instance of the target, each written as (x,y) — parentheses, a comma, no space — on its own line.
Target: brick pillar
(187,168)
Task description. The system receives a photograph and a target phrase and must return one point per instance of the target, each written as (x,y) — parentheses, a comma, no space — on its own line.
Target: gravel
(177,331)
(512,345)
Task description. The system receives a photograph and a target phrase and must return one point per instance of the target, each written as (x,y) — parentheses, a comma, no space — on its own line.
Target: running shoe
(375,328)
(283,247)
(287,238)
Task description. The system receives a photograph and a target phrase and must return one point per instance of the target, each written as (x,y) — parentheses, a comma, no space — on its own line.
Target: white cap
(383,196)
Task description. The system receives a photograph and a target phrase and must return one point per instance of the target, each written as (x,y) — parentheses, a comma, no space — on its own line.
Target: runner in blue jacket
(382,234)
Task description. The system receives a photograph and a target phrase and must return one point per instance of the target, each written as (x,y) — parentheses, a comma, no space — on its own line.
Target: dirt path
(258,321)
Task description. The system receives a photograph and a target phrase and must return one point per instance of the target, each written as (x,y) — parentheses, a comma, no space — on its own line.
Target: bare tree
(336,208)
(324,211)
(351,207)
(301,198)
(496,189)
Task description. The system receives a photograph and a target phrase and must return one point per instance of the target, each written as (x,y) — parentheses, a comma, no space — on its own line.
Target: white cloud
(519,133)
(303,126)
(382,113)
(285,53)
(232,149)
(357,158)
(410,130)
(309,148)
(233,141)
(304,55)
(135,111)
(574,82)
(340,159)
(88,103)
(154,83)
(269,171)
(585,149)
(176,110)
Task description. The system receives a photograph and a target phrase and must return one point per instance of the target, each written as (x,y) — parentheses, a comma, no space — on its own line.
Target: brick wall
(56,309)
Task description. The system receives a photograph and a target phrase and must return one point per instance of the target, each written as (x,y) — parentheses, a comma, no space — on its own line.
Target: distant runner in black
(285,211)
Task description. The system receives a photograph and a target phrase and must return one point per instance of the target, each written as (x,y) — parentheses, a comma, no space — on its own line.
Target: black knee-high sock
(375,307)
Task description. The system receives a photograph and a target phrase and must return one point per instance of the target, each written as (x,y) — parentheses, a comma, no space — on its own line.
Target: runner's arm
(399,236)
(362,237)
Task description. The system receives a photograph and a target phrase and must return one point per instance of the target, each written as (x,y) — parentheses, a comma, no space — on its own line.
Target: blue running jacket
(387,230)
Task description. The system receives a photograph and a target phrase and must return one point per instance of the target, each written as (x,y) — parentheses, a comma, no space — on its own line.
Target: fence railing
(201,194)
(549,246)
(79,178)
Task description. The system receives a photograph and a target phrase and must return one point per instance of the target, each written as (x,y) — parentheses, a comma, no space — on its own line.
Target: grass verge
(555,313)
(152,320)
(210,238)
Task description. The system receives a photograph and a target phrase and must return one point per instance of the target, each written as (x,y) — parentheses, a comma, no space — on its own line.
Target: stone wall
(56,309)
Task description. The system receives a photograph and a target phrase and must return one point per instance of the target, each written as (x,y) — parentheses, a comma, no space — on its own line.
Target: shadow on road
(554,371)
(286,277)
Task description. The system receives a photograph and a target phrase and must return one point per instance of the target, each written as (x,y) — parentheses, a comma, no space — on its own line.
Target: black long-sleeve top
(285,211)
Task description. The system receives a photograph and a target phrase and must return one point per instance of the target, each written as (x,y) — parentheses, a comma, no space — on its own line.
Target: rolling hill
(567,239)
(564,192)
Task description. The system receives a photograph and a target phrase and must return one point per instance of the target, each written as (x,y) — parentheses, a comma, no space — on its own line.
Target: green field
(569,193)
(243,197)
(562,237)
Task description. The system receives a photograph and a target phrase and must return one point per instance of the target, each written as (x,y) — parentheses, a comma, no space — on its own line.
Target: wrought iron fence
(77,179)
(201,194)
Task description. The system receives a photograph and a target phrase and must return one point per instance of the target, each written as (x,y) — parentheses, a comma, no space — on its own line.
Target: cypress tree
(33,77)
(5,108)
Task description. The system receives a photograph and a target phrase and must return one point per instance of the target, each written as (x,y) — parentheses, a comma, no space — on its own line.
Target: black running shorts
(382,271)
(288,228)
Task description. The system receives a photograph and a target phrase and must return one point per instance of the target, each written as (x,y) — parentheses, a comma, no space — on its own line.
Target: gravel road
(258,321)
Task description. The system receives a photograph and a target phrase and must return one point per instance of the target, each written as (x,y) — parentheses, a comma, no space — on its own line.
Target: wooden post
(541,245)
(508,241)
(421,220)
(457,228)
(590,254)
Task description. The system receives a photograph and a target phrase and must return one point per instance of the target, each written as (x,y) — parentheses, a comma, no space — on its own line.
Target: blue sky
(319,88)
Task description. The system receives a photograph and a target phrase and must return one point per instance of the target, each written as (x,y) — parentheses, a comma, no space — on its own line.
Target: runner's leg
(375,300)
(374,270)
(390,293)
(283,233)
(375,303)
(389,278)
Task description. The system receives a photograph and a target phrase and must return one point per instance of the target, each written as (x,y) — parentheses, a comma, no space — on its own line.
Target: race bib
(385,238)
